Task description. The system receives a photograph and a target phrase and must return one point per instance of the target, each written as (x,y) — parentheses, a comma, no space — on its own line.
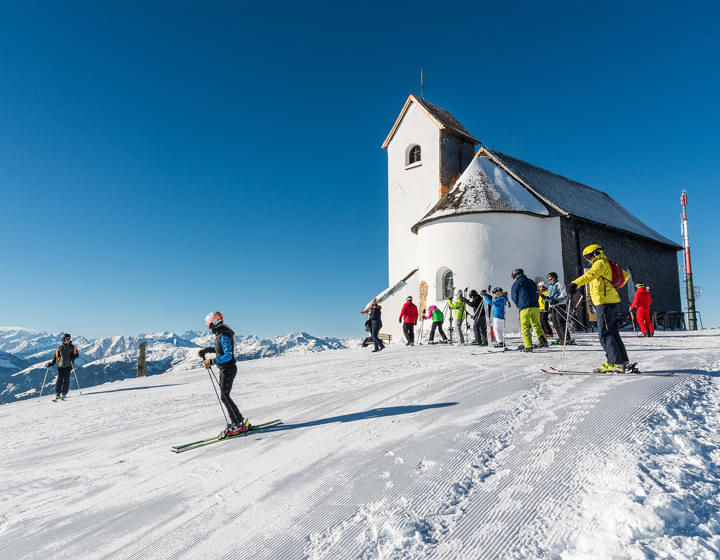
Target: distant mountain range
(24,353)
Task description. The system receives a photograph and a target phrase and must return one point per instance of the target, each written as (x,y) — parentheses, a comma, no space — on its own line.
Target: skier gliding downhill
(225,361)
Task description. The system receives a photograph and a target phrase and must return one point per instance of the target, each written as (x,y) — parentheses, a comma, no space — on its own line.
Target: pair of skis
(556,371)
(217,439)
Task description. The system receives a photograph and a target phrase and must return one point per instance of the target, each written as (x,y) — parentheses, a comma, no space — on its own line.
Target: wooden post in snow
(141,367)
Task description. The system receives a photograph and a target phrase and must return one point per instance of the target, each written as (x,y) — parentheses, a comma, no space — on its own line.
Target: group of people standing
(543,308)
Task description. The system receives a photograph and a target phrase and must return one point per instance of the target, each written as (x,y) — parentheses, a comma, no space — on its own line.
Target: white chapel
(462,216)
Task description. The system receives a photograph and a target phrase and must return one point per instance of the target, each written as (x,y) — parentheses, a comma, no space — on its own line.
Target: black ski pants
(375,327)
(409,331)
(227,377)
(437,325)
(62,383)
(609,333)
(480,329)
(559,323)
(545,324)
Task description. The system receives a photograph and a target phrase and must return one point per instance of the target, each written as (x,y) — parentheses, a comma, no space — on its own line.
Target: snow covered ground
(424,452)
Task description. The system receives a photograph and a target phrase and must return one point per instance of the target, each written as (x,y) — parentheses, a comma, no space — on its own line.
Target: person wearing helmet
(641,303)
(557,297)
(477,303)
(498,314)
(606,300)
(544,306)
(437,317)
(459,306)
(525,297)
(64,357)
(224,359)
(409,317)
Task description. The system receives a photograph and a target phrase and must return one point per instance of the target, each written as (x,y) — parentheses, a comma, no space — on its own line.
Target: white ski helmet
(213,319)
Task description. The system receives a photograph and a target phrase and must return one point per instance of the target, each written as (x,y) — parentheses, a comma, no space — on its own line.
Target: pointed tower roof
(442,118)
(484,186)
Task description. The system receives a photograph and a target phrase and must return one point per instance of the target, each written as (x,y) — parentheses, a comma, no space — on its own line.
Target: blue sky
(158,161)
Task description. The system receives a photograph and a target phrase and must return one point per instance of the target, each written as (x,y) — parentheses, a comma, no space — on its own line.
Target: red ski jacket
(409,312)
(642,299)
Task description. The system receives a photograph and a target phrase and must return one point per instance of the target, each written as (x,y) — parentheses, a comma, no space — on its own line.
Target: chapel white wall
(483,249)
(411,191)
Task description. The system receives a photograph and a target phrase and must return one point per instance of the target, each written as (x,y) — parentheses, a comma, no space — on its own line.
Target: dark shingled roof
(450,123)
(575,199)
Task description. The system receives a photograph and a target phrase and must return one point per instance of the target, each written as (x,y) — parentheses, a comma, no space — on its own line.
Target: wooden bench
(386,338)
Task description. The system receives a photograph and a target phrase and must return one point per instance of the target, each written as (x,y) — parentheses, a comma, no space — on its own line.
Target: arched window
(448,287)
(414,155)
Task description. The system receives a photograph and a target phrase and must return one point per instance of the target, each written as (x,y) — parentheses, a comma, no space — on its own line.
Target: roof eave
(431,219)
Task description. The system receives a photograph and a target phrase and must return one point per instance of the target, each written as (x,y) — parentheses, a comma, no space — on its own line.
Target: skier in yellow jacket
(606,300)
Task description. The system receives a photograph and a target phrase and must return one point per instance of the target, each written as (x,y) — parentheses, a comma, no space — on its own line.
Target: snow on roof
(573,198)
(484,186)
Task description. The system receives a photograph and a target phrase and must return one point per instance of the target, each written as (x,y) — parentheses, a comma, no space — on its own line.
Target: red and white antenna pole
(692,319)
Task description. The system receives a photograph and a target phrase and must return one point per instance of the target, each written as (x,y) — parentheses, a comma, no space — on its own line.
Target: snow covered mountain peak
(24,353)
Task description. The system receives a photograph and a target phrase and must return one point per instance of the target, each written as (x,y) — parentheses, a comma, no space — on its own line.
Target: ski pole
(43,383)
(567,325)
(632,318)
(76,380)
(211,373)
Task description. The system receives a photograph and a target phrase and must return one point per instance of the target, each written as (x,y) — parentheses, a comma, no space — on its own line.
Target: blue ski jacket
(224,345)
(497,306)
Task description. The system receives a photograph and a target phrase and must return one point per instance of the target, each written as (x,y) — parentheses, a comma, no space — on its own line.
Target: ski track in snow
(424,452)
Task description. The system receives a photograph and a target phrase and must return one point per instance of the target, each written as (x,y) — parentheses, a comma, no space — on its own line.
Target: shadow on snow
(374,413)
(133,388)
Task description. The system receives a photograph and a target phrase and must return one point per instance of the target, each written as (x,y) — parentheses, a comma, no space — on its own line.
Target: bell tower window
(413,156)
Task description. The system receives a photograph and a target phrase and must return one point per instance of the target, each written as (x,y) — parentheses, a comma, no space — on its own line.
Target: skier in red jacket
(642,302)
(409,317)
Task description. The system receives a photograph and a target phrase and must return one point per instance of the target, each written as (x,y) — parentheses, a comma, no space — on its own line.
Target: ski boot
(543,343)
(523,349)
(607,367)
(499,345)
(237,428)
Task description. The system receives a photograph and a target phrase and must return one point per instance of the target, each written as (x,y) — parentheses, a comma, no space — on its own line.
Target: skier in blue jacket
(225,361)
(498,314)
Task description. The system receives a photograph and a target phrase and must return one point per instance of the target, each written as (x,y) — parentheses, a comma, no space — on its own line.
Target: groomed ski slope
(423,452)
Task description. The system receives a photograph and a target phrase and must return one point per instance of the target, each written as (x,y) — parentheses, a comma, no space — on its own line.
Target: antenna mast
(690,290)
(422,85)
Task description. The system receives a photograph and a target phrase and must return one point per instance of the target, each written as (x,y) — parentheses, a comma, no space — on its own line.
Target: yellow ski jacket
(598,277)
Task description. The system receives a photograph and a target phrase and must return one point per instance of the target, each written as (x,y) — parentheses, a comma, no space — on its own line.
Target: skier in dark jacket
(225,361)
(375,318)
(477,302)
(524,294)
(65,357)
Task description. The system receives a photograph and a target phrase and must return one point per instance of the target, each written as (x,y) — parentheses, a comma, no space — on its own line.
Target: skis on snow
(203,442)
(556,371)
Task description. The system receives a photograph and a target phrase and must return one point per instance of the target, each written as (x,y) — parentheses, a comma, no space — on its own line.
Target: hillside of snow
(24,353)
(426,452)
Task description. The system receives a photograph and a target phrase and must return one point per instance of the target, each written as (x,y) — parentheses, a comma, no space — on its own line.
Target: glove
(572,289)
(49,364)
(553,301)
(400,320)
(201,353)
(208,362)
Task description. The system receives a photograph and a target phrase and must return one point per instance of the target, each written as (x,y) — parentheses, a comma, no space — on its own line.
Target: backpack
(620,276)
